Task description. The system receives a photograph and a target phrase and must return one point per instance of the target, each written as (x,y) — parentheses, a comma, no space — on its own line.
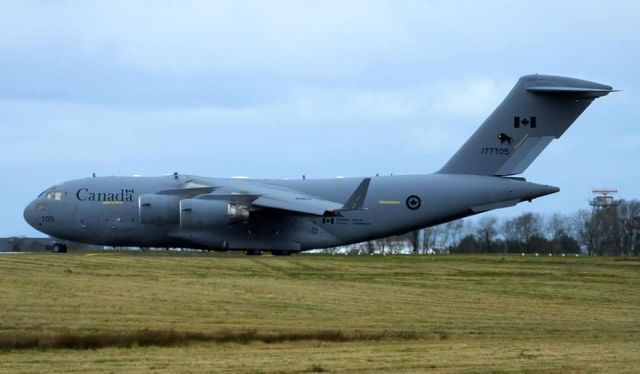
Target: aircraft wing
(303,203)
(297,203)
(264,196)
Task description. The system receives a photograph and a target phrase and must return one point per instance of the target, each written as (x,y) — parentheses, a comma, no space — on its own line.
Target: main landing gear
(257,252)
(280,253)
(57,247)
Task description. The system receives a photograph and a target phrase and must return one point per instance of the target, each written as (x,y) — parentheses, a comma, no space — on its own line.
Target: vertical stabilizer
(538,109)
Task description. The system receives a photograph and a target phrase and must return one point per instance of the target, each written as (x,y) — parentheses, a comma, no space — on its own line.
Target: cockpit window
(43,194)
(54,195)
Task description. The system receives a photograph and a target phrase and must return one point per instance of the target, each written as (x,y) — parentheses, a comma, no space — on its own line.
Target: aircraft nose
(30,214)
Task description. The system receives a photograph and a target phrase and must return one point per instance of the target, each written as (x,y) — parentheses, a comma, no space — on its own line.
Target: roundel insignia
(413,202)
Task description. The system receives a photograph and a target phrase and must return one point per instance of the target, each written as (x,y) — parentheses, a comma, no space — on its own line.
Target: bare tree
(519,232)
(629,212)
(430,235)
(444,233)
(456,232)
(557,230)
(415,241)
(486,232)
(510,235)
(580,229)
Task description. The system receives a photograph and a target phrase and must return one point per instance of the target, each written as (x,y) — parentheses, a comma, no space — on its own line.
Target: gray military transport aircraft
(289,216)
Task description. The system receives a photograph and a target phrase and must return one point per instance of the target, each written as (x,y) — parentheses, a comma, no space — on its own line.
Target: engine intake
(203,214)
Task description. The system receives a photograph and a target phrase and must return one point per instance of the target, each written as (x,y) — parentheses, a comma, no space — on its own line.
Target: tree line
(612,231)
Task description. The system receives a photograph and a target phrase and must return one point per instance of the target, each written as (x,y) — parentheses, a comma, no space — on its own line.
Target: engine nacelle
(205,214)
(157,209)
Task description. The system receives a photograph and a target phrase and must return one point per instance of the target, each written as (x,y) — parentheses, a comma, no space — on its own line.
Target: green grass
(136,311)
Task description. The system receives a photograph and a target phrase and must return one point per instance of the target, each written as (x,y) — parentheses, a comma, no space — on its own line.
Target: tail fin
(538,109)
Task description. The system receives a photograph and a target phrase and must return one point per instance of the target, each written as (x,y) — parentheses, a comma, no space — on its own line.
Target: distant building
(23,244)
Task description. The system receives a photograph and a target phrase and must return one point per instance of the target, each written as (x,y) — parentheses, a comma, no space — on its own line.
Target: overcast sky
(285,88)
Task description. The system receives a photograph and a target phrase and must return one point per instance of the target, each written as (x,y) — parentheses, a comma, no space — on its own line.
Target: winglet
(356,201)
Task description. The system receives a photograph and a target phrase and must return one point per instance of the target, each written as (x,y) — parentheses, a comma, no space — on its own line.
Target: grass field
(141,312)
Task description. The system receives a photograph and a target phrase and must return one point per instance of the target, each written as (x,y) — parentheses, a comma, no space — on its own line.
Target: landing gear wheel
(280,253)
(253,252)
(59,248)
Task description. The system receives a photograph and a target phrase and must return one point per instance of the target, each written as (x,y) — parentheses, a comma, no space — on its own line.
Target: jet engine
(158,209)
(203,214)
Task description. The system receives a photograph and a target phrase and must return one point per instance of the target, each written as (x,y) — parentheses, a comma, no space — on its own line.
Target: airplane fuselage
(106,210)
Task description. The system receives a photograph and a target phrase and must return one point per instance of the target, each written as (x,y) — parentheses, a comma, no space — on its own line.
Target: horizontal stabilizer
(584,92)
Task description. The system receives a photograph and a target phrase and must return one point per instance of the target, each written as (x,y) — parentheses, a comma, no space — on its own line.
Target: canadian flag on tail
(531,122)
